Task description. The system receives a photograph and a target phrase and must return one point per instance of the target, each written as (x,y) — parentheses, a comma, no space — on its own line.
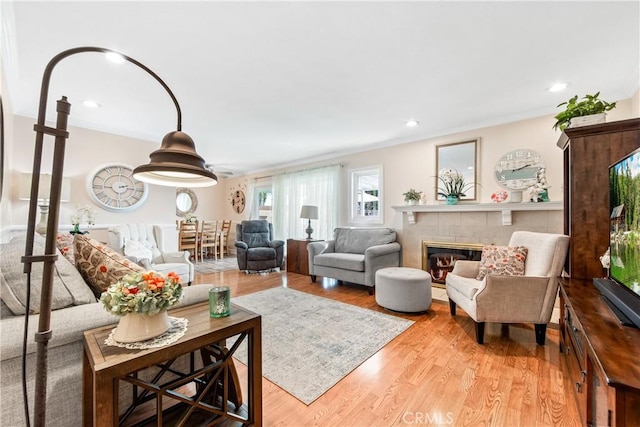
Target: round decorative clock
(238,201)
(517,169)
(112,187)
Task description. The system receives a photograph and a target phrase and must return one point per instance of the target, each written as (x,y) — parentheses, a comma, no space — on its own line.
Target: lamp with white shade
(309,212)
(44,189)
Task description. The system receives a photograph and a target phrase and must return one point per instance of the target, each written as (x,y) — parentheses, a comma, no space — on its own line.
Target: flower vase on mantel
(136,327)
(452,200)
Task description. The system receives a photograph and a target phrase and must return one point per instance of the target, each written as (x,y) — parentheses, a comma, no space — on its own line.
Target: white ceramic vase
(135,327)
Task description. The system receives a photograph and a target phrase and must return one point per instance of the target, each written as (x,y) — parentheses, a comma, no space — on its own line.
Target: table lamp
(309,212)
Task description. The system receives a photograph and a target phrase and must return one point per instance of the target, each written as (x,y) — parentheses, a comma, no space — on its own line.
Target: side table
(104,367)
(297,256)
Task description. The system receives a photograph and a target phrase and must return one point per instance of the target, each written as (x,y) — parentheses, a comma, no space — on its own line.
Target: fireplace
(438,258)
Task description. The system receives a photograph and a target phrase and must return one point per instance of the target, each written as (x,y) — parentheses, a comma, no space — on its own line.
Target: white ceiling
(267,84)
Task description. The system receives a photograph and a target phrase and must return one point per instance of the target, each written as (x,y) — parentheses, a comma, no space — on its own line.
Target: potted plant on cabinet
(412,197)
(580,113)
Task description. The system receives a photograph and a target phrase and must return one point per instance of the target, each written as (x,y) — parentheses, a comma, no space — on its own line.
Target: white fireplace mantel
(505,208)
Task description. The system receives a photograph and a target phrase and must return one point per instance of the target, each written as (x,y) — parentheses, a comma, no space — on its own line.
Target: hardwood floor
(432,374)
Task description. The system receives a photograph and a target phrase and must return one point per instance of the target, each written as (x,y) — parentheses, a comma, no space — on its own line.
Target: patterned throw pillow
(99,265)
(64,242)
(502,261)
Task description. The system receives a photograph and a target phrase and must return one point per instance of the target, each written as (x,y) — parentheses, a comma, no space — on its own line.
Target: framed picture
(463,158)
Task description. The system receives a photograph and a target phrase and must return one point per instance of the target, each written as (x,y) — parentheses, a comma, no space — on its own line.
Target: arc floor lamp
(176,164)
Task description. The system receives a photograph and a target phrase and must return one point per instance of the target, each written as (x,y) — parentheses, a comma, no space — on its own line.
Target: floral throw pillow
(64,242)
(502,261)
(99,265)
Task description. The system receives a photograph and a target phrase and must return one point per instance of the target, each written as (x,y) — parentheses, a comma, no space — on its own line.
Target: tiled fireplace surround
(471,226)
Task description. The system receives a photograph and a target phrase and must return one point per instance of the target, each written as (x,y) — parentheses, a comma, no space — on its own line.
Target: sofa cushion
(99,265)
(467,286)
(358,240)
(68,286)
(502,261)
(344,261)
(261,254)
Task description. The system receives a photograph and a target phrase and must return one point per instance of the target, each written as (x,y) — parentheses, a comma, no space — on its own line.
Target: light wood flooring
(432,374)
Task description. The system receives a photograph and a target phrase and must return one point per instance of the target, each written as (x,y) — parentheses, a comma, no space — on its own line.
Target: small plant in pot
(412,197)
(588,106)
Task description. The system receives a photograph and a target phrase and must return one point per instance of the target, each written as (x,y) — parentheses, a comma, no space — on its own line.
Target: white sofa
(76,310)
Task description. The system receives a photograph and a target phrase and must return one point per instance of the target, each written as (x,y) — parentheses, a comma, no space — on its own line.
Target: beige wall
(406,165)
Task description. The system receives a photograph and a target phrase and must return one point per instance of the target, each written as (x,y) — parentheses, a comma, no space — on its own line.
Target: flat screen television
(621,290)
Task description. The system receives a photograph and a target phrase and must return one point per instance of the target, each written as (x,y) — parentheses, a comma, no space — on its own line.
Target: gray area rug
(309,343)
(214,266)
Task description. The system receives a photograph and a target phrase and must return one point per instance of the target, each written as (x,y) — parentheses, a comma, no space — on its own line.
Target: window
(366,195)
(263,194)
(317,187)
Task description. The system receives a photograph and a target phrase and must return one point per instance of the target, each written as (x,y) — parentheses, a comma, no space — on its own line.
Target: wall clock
(517,169)
(238,201)
(112,187)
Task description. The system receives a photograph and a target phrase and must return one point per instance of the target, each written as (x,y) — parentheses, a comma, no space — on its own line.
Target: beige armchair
(512,299)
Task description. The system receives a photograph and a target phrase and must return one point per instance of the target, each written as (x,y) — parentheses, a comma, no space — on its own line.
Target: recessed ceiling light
(89,103)
(412,123)
(114,57)
(557,87)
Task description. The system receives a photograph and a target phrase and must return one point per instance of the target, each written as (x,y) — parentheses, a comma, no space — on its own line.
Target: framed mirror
(463,158)
(186,202)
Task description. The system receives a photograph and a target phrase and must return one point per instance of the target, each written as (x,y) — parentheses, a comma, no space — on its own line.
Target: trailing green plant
(590,104)
(412,195)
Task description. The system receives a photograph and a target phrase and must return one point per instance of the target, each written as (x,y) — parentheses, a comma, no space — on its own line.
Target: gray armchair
(255,248)
(354,255)
(139,242)
(512,299)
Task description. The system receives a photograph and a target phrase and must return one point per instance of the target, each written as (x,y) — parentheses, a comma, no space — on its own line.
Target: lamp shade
(309,212)
(176,163)
(44,189)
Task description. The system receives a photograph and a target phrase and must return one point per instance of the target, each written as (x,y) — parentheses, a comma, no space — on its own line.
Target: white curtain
(318,187)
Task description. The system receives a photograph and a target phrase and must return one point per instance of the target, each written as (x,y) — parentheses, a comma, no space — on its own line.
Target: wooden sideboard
(601,357)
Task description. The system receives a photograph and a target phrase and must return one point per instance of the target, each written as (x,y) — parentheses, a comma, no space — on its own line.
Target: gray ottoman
(403,289)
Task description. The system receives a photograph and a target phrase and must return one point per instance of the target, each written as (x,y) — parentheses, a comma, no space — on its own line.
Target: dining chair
(224,237)
(188,238)
(209,240)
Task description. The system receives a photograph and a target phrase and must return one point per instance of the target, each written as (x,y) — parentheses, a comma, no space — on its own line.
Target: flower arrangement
(412,195)
(144,293)
(453,184)
(82,212)
(191,218)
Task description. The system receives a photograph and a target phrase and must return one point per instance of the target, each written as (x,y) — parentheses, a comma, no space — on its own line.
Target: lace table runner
(177,329)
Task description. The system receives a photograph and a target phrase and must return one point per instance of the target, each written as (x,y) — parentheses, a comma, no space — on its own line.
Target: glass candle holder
(219,301)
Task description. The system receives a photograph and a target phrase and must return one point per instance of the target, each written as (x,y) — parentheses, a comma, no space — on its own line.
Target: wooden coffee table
(104,367)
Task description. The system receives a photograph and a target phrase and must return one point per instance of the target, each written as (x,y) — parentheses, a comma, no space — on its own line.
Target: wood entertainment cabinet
(588,153)
(600,355)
